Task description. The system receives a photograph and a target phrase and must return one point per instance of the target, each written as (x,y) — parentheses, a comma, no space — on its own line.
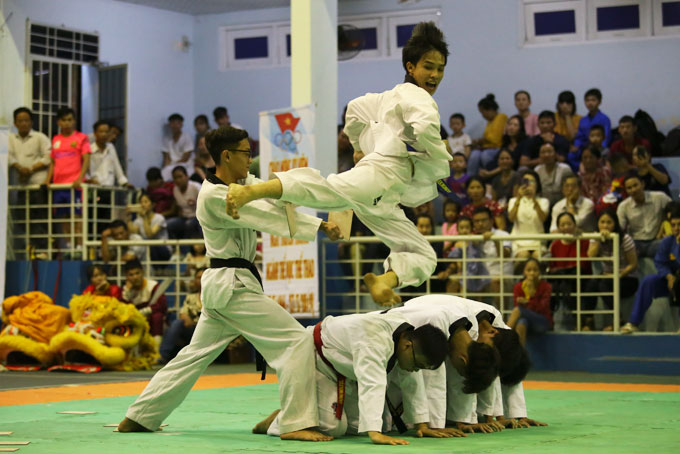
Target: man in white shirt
(105,168)
(178,148)
(234,302)
(185,191)
(573,202)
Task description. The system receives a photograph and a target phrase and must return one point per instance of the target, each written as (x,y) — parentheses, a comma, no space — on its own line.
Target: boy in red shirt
(70,161)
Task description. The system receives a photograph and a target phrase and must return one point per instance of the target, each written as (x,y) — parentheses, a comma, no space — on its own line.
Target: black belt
(238,262)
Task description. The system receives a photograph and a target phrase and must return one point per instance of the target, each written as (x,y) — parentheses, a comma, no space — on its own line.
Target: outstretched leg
(382,287)
(239,195)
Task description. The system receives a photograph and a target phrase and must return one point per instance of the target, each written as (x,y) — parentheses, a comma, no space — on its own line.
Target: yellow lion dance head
(108,332)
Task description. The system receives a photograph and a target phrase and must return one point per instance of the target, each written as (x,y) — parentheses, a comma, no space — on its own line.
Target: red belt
(341,378)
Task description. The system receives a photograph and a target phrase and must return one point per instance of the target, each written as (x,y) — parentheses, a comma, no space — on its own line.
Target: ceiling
(198,7)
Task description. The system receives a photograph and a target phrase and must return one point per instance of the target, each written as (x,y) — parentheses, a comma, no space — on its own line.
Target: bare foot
(128,425)
(381,292)
(306,435)
(262,426)
(236,198)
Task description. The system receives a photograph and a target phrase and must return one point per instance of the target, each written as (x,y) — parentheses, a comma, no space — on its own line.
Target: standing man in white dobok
(234,303)
(400,153)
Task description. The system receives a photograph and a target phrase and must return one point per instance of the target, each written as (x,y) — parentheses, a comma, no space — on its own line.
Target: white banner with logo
(290,267)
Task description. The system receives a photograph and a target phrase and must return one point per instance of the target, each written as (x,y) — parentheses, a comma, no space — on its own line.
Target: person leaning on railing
(118,231)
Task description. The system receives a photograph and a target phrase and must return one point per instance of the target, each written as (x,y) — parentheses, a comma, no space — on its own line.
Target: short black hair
(174,117)
(473,178)
(425,215)
(481,368)
(569,176)
(64,112)
(641,151)
(594,92)
(22,110)
(568,97)
(509,347)
(547,114)
(91,269)
(627,119)
(565,213)
(432,343)
(594,150)
(133,264)
(488,102)
(460,153)
(482,209)
(519,372)
(117,126)
(424,38)
(630,175)
(154,173)
(221,139)
(100,123)
(448,201)
(597,128)
(519,92)
(463,219)
(672,209)
(144,194)
(118,223)
(180,168)
(220,112)
(203,118)
(457,115)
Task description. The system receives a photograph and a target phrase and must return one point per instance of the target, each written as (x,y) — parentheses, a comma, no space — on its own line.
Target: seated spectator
(551,173)
(515,140)
(504,182)
(221,117)
(476,194)
(105,167)
(484,149)
(546,124)
(186,194)
(528,212)
(451,210)
(150,226)
(523,102)
(596,139)
(532,314)
(662,284)
(118,231)
(596,179)
(592,99)
(202,126)
(180,331)
(567,249)
(147,297)
(567,119)
(203,164)
(641,214)
(459,141)
(160,193)
(97,275)
(196,258)
(178,148)
(629,139)
(581,208)
(665,228)
(608,223)
(654,176)
(458,178)
(474,267)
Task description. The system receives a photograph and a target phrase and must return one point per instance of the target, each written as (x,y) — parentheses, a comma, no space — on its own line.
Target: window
(618,18)
(284,44)
(73,45)
(400,28)
(666,17)
(246,48)
(369,31)
(547,22)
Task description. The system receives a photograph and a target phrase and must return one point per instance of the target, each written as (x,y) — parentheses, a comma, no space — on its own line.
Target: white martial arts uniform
(233,304)
(362,347)
(382,125)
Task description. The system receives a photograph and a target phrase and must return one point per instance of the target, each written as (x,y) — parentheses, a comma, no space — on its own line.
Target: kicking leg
(239,195)
(381,288)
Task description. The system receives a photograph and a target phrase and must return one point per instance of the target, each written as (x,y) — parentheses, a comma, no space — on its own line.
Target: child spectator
(567,120)
(551,173)
(629,139)
(532,314)
(596,139)
(69,164)
(593,99)
(150,226)
(573,202)
(528,211)
(180,331)
(596,179)
(186,194)
(484,150)
(458,178)
(476,195)
(665,227)
(523,102)
(202,126)
(503,183)
(105,167)
(97,275)
(451,211)
(147,297)
(161,193)
(474,266)
(654,176)
(119,232)
(546,124)
(459,141)
(608,223)
(178,148)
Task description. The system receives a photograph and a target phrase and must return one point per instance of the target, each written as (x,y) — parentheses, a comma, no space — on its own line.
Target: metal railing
(337,298)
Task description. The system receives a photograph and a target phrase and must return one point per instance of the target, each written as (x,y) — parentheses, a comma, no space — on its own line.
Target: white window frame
(530,8)
(281,31)
(228,35)
(645,20)
(658,27)
(394,21)
(367,22)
